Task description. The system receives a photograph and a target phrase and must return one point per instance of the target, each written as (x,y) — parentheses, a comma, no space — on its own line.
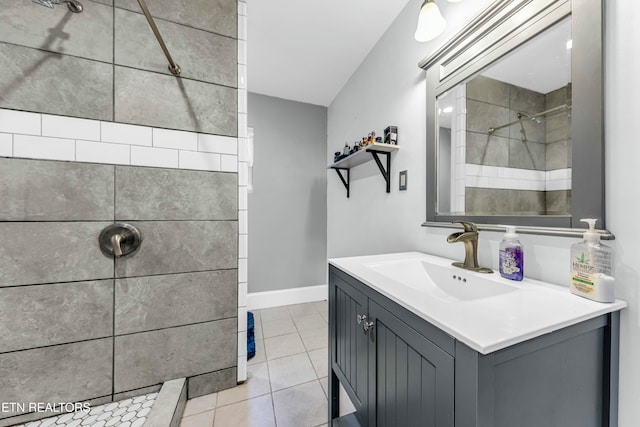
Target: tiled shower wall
(105,65)
(523,166)
(79,325)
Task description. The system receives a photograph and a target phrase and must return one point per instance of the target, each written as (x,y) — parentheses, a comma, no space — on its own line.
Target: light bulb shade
(430,22)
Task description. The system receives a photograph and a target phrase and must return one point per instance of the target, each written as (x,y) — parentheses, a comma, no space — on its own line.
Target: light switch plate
(403,180)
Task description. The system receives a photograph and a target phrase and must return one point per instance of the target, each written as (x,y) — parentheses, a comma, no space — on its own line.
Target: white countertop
(486,312)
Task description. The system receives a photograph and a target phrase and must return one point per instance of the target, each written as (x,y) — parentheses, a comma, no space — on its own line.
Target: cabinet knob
(366,325)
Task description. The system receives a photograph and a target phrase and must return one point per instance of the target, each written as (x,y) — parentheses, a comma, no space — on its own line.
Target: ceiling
(306,50)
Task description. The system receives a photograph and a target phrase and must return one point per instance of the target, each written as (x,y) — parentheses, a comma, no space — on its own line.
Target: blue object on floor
(251,342)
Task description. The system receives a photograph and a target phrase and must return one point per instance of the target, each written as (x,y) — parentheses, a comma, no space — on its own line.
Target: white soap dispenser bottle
(592,267)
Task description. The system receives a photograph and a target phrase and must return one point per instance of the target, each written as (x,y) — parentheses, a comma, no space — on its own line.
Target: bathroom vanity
(417,342)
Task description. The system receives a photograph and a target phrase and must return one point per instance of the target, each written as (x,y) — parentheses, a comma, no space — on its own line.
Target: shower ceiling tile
(86,35)
(197,52)
(41,190)
(180,247)
(153,99)
(31,82)
(214,16)
(169,194)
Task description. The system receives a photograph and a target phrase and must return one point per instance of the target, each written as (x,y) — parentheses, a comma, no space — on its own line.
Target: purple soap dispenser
(511,255)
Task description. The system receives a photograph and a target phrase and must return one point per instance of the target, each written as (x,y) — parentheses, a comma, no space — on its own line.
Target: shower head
(73,5)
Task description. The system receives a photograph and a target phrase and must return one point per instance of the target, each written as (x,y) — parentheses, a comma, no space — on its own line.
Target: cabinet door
(350,355)
(414,377)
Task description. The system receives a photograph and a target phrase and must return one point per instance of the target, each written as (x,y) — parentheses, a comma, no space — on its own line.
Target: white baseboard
(268,299)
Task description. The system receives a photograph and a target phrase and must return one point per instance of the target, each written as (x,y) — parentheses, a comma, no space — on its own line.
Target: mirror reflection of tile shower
(505,134)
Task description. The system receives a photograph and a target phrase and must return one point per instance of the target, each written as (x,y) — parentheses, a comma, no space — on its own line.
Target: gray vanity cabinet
(394,375)
(414,376)
(401,371)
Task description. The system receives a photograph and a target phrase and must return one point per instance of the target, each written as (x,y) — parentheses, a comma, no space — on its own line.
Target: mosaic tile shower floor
(131,412)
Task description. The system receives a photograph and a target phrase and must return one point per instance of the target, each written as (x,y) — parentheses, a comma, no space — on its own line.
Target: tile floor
(125,413)
(287,378)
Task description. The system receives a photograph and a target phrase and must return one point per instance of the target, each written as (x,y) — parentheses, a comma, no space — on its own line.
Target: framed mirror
(515,131)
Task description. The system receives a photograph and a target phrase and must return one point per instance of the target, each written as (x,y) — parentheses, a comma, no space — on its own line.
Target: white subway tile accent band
(45,136)
(518,179)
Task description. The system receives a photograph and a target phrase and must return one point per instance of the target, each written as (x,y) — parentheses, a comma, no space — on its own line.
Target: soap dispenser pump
(592,267)
(511,255)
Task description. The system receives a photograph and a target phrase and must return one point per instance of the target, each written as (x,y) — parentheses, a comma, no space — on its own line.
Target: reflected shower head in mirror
(74,5)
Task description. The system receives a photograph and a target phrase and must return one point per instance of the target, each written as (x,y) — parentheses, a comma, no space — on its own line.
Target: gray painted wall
(105,63)
(288,245)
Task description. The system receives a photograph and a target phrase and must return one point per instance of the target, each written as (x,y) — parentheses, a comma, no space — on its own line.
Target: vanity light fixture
(430,22)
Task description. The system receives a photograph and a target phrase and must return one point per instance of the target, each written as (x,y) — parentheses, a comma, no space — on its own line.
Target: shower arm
(521,116)
(173,67)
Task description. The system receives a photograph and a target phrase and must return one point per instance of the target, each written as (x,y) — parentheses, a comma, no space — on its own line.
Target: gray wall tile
(489,90)
(558,127)
(558,202)
(42,315)
(152,99)
(49,252)
(489,201)
(37,190)
(533,131)
(149,358)
(62,373)
(157,302)
(525,100)
(87,35)
(137,392)
(217,16)
(212,382)
(169,194)
(197,52)
(481,116)
(527,155)
(482,149)
(558,155)
(46,82)
(180,247)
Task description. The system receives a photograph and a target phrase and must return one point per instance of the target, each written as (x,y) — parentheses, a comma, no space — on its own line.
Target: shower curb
(169,406)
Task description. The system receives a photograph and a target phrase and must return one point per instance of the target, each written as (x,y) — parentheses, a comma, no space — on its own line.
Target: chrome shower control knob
(119,239)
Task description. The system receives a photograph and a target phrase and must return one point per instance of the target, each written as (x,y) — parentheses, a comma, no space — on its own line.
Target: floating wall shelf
(362,156)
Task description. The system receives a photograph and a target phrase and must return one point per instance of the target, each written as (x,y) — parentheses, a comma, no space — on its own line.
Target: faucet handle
(468,226)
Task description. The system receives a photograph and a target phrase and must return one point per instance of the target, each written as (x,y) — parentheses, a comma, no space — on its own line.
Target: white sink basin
(484,311)
(445,282)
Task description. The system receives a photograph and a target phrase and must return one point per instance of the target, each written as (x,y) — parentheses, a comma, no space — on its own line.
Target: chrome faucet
(470,239)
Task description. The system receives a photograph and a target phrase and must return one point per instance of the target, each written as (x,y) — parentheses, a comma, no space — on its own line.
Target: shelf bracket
(345,182)
(386,174)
